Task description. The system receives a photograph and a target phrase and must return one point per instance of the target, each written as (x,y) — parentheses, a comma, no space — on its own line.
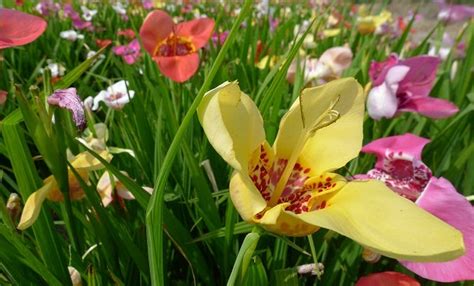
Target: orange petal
(156,27)
(199,31)
(178,68)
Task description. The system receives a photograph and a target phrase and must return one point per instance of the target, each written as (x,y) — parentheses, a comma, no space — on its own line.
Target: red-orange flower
(18,28)
(387,278)
(174,47)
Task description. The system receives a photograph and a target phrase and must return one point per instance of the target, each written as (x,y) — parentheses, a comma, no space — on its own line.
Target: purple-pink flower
(68,99)
(404,86)
(452,13)
(400,167)
(130,53)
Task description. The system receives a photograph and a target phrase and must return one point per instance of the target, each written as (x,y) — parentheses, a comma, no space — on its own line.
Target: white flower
(115,96)
(91,53)
(119,8)
(55,68)
(71,35)
(88,14)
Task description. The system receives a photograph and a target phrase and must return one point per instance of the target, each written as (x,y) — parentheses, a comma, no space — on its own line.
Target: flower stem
(315,256)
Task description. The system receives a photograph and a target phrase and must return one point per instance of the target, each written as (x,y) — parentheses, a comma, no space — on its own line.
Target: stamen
(327,118)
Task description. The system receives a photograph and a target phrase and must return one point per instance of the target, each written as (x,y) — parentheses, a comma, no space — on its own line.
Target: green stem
(315,256)
(244,255)
(154,214)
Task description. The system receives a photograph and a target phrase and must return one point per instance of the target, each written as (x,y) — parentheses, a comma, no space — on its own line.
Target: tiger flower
(82,163)
(291,188)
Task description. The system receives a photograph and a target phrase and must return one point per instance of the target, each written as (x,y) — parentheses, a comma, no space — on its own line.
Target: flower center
(403,174)
(301,192)
(174,45)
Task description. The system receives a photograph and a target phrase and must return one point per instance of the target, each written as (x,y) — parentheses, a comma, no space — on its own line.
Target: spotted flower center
(403,174)
(301,192)
(174,45)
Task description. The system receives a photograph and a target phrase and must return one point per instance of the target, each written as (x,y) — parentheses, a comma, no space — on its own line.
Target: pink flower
(218,39)
(130,53)
(454,13)
(68,99)
(404,86)
(3,97)
(400,167)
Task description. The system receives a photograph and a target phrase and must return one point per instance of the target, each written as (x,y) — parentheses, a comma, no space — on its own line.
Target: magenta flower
(454,13)
(68,99)
(77,21)
(130,53)
(404,86)
(400,167)
(219,38)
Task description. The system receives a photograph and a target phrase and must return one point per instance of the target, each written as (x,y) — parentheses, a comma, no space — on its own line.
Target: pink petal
(119,50)
(441,199)
(387,278)
(407,143)
(198,30)
(420,78)
(156,27)
(18,28)
(338,58)
(378,70)
(178,68)
(429,106)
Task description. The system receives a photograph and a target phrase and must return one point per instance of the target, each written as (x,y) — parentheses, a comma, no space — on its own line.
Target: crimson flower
(174,47)
(18,28)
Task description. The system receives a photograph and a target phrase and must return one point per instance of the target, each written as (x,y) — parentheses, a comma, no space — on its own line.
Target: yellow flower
(82,163)
(290,188)
(371,24)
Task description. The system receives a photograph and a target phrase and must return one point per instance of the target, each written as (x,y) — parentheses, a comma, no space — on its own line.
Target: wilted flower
(18,28)
(405,85)
(68,99)
(75,276)
(14,206)
(108,183)
(400,167)
(290,188)
(82,163)
(71,35)
(175,47)
(129,53)
(115,96)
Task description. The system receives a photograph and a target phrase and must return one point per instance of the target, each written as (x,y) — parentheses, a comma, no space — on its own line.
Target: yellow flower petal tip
(33,205)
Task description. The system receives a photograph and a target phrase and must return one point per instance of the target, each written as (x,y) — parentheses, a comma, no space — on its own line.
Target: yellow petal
(377,218)
(316,103)
(86,161)
(333,146)
(277,220)
(232,123)
(245,196)
(33,205)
